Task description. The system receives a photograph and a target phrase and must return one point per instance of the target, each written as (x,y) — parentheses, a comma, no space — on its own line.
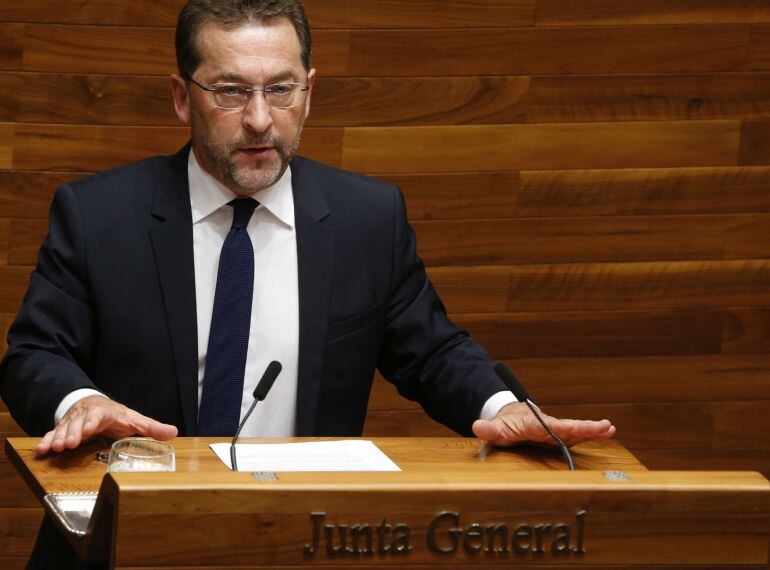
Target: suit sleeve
(424,354)
(50,341)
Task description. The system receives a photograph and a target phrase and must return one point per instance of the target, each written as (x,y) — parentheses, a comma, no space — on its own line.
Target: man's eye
(280,89)
(231,90)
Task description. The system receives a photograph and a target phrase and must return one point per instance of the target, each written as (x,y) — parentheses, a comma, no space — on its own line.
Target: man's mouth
(256,151)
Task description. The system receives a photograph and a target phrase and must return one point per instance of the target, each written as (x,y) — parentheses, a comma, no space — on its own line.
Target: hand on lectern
(97,415)
(515,424)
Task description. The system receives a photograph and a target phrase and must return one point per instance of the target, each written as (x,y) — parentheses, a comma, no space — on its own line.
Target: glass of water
(141,454)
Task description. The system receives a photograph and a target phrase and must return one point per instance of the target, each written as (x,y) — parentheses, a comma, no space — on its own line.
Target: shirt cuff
(70,399)
(495,404)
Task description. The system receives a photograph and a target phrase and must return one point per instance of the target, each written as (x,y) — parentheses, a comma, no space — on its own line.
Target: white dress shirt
(274,329)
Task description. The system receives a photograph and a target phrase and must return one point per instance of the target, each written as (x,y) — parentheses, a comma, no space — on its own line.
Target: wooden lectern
(517,508)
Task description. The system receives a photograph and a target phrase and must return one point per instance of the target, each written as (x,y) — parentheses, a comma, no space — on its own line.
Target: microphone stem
(564,450)
(233,460)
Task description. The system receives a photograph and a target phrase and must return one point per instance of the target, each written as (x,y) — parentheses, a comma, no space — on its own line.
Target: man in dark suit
(120,324)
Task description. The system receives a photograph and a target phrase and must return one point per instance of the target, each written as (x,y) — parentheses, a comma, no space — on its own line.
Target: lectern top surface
(415,456)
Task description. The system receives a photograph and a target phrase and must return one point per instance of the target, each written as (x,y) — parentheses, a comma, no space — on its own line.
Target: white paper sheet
(346,455)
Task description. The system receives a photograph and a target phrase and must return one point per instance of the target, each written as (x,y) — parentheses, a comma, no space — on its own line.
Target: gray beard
(242,180)
(254,180)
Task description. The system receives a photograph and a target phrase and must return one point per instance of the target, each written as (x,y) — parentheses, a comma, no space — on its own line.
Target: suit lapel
(171,236)
(315,257)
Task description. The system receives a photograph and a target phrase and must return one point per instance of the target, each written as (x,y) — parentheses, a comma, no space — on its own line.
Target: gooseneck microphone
(521,394)
(260,392)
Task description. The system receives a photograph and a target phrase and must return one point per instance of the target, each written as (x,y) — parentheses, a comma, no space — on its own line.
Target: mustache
(266,139)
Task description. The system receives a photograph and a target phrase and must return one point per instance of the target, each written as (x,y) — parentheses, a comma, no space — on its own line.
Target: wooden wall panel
(755,148)
(552,146)
(652,12)
(574,286)
(598,333)
(145,100)
(591,98)
(759,48)
(398,52)
(322,14)
(102,12)
(392,101)
(589,182)
(543,50)
(558,240)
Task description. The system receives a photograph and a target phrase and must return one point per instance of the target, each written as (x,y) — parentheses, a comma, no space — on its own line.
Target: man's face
(249,149)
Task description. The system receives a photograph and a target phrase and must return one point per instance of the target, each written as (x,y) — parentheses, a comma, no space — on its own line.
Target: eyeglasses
(235,96)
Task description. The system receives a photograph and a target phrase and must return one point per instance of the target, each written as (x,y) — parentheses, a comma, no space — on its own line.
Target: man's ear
(181,96)
(310,83)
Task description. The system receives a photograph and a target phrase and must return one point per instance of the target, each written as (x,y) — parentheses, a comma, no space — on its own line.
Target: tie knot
(243,208)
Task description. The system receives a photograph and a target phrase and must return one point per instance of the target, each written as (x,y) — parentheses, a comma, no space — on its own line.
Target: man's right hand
(97,415)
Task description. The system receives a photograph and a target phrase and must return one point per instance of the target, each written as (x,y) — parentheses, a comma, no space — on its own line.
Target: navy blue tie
(220,407)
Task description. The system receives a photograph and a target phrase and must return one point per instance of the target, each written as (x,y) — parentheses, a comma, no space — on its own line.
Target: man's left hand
(515,423)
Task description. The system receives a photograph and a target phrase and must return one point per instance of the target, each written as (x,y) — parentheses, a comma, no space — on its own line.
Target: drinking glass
(141,454)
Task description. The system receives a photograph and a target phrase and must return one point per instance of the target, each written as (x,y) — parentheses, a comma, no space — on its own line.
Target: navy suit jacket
(111,305)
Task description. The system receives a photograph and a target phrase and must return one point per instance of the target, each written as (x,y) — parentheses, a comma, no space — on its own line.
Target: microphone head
(266,382)
(511,382)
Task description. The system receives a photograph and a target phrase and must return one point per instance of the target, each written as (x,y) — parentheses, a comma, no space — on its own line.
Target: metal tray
(71,510)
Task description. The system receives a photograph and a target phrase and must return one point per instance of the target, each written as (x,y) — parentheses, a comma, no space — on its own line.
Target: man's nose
(257,114)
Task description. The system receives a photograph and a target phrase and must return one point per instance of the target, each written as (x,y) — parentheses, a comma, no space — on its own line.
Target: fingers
(514,425)
(486,430)
(142,425)
(95,415)
(572,432)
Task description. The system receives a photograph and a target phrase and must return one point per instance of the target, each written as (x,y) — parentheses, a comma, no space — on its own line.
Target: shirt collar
(207,194)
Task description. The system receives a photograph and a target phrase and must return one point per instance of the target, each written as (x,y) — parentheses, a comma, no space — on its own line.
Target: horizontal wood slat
(324,14)
(13,490)
(543,146)
(385,101)
(28,195)
(5,240)
(487,195)
(18,529)
(658,49)
(621,333)
(759,48)
(143,100)
(102,12)
(420,13)
(643,12)
(577,193)
(528,241)
(617,380)
(598,333)
(552,240)
(562,99)
(430,149)
(393,52)
(600,286)
(13,284)
(755,147)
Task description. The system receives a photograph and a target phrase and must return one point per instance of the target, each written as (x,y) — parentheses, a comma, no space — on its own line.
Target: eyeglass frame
(249,91)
